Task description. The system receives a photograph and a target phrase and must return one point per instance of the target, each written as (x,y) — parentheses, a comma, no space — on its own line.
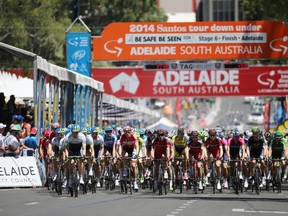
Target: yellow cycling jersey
(179,141)
(180,144)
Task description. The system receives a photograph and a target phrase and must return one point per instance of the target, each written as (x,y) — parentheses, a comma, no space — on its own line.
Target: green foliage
(39,26)
(265,10)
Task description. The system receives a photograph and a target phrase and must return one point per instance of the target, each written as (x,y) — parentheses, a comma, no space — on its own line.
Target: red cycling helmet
(160,132)
(212,132)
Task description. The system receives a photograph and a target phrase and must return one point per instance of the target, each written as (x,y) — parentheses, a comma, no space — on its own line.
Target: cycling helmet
(67,131)
(55,125)
(278,134)
(95,130)
(70,126)
(267,135)
(236,133)
(141,132)
(160,132)
(255,130)
(220,134)
(180,131)
(218,129)
(85,130)
(127,129)
(203,134)
(60,130)
(76,128)
(212,132)
(194,133)
(108,129)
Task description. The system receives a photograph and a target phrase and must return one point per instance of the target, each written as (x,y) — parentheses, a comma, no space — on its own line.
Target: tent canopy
(164,124)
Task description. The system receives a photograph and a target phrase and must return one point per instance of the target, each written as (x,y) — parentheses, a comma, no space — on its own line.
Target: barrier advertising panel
(19,172)
(197,40)
(136,82)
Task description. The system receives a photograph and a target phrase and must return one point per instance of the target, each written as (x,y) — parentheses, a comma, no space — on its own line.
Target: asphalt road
(30,202)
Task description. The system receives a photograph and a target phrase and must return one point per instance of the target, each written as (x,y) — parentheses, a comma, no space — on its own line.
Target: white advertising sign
(19,172)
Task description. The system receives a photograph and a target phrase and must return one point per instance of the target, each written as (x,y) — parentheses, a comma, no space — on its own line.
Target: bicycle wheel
(181,179)
(257,181)
(85,179)
(75,188)
(160,180)
(59,181)
(213,179)
(278,179)
(130,180)
(194,179)
(165,186)
(160,185)
(94,181)
(236,181)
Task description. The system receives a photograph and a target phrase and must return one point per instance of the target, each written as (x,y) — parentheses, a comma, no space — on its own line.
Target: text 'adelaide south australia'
(196,82)
(196,50)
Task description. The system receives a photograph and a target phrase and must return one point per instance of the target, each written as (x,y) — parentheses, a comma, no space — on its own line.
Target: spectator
(3,117)
(31,141)
(12,141)
(2,147)
(11,106)
(17,120)
(27,126)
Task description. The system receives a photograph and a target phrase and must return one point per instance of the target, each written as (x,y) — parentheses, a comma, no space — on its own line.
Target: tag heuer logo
(217,65)
(174,66)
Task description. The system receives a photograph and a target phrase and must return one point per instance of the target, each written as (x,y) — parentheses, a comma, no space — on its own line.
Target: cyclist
(129,147)
(235,149)
(214,150)
(276,150)
(180,142)
(89,151)
(220,135)
(256,148)
(98,148)
(197,151)
(150,136)
(43,150)
(142,153)
(57,150)
(110,142)
(54,127)
(76,146)
(161,151)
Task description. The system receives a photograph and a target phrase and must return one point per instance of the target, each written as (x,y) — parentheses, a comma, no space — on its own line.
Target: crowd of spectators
(17,131)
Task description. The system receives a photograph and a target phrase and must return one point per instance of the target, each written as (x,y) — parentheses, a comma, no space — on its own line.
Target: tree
(39,26)
(102,12)
(265,10)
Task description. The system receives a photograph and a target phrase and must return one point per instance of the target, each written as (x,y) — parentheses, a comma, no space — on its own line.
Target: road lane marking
(179,210)
(62,197)
(186,204)
(32,203)
(259,212)
(170,215)
(182,207)
(175,212)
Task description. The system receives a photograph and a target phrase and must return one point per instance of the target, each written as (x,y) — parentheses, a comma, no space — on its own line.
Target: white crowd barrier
(19,172)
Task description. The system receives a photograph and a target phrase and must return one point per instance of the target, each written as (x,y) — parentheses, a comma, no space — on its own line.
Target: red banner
(136,82)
